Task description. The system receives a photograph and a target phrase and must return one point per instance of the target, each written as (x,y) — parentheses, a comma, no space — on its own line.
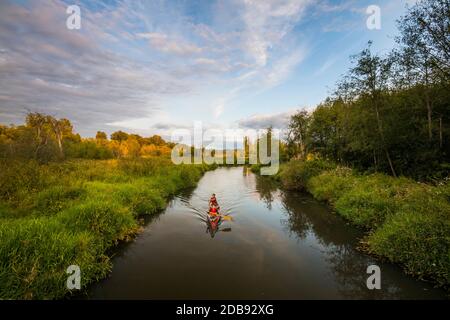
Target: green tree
(297,134)
(156,140)
(101,136)
(326,131)
(424,55)
(61,128)
(368,80)
(246,148)
(119,136)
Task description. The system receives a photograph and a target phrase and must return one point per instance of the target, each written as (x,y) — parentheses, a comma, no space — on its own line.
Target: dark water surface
(280,245)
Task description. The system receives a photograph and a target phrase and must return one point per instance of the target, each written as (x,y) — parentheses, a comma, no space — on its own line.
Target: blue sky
(153,66)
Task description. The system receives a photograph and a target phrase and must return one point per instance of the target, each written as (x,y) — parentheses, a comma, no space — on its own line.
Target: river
(279,245)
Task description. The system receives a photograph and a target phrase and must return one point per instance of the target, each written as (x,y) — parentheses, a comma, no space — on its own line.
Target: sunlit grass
(56,215)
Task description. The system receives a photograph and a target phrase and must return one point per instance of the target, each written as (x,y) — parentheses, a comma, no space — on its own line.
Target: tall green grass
(61,214)
(296,174)
(407,222)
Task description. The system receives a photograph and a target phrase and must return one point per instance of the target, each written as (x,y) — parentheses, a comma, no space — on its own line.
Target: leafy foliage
(389,113)
(46,139)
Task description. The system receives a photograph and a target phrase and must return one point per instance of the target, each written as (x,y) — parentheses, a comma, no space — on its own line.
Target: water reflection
(267,189)
(338,241)
(283,246)
(214,225)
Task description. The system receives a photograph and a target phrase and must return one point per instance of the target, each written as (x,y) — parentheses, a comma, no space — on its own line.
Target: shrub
(35,254)
(142,167)
(56,198)
(140,198)
(373,198)
(104,218)
(21,176)
(87,149)
(296,174)
(419,240)
(331,185)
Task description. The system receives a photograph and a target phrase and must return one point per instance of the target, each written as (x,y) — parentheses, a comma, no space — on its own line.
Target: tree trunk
(375,160)
(390,163)
(380,131)
(429,112)
(58,131)
(39,138)
(11,150)
(428,104)
(61,151)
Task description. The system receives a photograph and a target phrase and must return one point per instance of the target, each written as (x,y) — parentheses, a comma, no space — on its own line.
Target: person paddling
(213,202)
(213,210)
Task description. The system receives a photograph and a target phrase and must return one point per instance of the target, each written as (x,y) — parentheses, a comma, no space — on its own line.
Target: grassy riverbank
(61,214)
(407,222)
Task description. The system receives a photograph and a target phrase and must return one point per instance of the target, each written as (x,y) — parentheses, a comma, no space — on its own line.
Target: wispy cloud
(263,121)
(46,67)
(162,42)
(267,23)
(140,64)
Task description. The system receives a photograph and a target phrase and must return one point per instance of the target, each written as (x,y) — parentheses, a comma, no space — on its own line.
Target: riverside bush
(331,185)
(296,174)
(418,235)
(35,253)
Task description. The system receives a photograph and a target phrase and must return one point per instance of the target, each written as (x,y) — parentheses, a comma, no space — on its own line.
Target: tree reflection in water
(266,188)
(337,239)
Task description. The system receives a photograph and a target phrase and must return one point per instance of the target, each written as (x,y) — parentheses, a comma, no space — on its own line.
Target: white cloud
(263,121)
(327,65)
(283,67)
(267,23)
(162,42)
(329,7)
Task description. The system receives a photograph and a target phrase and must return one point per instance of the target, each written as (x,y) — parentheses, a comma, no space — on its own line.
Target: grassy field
(407,222)
(70,213)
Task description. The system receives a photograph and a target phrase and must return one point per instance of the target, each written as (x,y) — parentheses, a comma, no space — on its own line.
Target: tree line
(388,113)
(45,138)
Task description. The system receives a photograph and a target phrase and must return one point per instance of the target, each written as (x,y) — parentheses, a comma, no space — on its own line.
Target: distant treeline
(389,113)
(45,138)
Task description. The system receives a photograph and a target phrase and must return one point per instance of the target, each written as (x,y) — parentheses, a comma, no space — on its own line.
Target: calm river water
(279,245)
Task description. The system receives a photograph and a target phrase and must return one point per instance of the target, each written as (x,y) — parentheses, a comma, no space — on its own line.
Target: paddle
(224,217)
(227,218)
